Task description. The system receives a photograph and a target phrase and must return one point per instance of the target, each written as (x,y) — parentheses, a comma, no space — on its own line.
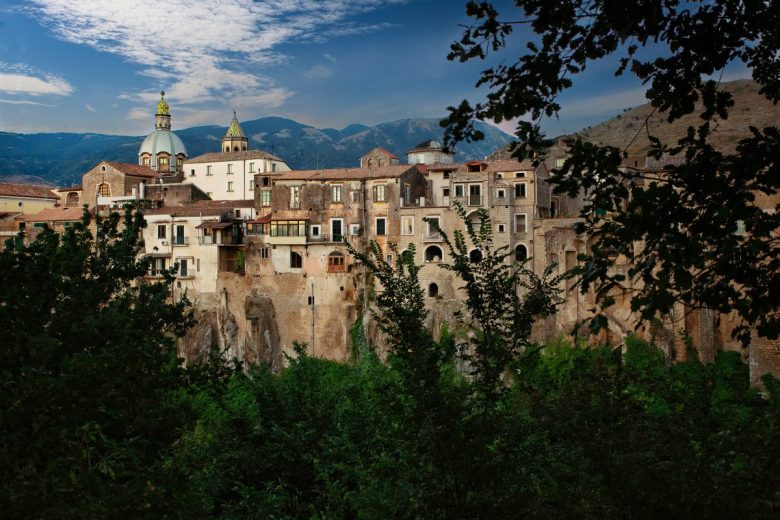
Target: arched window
(521,253)
(336,262)
(406,256)
(475,256)
(104,190)
(145,160)
(433,290)
(162,162)
(227,148)
(72,199)
(296,262)
(433,254)
(235,148)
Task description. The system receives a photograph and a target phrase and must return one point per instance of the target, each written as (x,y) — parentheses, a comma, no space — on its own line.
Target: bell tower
(162,119)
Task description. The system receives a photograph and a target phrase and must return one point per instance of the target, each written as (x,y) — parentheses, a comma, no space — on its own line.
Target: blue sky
(97,65)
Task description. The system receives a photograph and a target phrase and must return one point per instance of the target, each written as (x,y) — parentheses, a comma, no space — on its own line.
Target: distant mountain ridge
(62,158)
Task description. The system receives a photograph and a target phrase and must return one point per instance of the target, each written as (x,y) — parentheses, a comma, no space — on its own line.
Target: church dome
(162,150)
(162,141)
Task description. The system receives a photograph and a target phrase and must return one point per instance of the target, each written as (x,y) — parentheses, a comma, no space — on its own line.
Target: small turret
(162,118)
(235,140)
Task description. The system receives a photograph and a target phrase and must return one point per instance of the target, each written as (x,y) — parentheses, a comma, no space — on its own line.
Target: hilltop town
(261,248)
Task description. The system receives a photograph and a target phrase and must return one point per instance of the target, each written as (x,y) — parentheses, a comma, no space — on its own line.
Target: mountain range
(62,158)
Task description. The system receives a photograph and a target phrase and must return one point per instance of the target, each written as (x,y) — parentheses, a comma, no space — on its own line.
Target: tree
(92,391)
(682,230)
(503,319)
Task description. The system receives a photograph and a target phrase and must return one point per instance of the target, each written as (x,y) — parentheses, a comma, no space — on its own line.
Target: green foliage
(92,392)
(502,317)
(673,47)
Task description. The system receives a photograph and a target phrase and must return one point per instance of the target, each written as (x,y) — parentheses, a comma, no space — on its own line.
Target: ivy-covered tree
(695,234)
(92,393)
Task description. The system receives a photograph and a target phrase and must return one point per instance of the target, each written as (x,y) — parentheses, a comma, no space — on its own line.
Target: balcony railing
(181,241)
(220,241)
(475,200)
(433,237)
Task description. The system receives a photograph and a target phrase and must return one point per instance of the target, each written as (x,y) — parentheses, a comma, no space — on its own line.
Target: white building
(229,174)
(430,152)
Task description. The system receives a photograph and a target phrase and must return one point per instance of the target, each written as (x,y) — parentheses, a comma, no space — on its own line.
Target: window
(354,229)
(265,252)
(179,162)
(433,254)
(162,162)
(230,168)
(295,197)
(158,266)
(389,259)
(192,173)
(208,170)
(379,193)
(288,228)
(500,228)
(336,262)
(446,175)
(520,223)
(183,267)
(355,197)
(161,230)
(381,225)
(179,238)
(335,193)
(475,194)
(433,227)
(296,261)
(475,256)
(337,229)
(433,290)
(104,190)
(145,160)
(273,166)
(265,181)
(407,225)
(197,265)
(520,190)
(314,231)
(230,186)
(459,190)
(521,253)
(265,198)
(501,194)
(238,213)
(499,176)
(251,167)
(445,192)
(559,162)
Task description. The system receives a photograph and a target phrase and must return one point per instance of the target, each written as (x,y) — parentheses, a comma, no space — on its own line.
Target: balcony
(324,239)
(475,200)
(181,241)
(433,237)
(210,240)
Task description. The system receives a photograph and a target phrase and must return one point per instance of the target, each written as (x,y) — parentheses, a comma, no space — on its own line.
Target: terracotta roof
(443,166)
(228,204)
(213,224)
(186,211)
(136,170)
(385,152)
(232,156)
(32,191)
(265,219)
(56,215)
(76,187)
(509,165)
(344,174)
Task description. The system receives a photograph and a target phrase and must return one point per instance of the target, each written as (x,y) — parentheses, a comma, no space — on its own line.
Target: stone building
(229,174)
(379,157)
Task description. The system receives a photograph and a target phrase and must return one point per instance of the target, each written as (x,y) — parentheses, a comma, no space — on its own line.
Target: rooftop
(56,215)
(232,156)
(32,191)
(135,170)
(346,174)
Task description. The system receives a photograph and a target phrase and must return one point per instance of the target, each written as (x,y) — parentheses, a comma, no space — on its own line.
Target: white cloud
(24,102)
(23,79)
(330,58)
(318,71)
(90,108)
(204,50)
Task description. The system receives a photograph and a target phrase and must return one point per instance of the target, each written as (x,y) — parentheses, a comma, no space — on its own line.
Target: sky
(98,65)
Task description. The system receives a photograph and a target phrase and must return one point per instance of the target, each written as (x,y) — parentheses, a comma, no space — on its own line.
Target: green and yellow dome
(162,106)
